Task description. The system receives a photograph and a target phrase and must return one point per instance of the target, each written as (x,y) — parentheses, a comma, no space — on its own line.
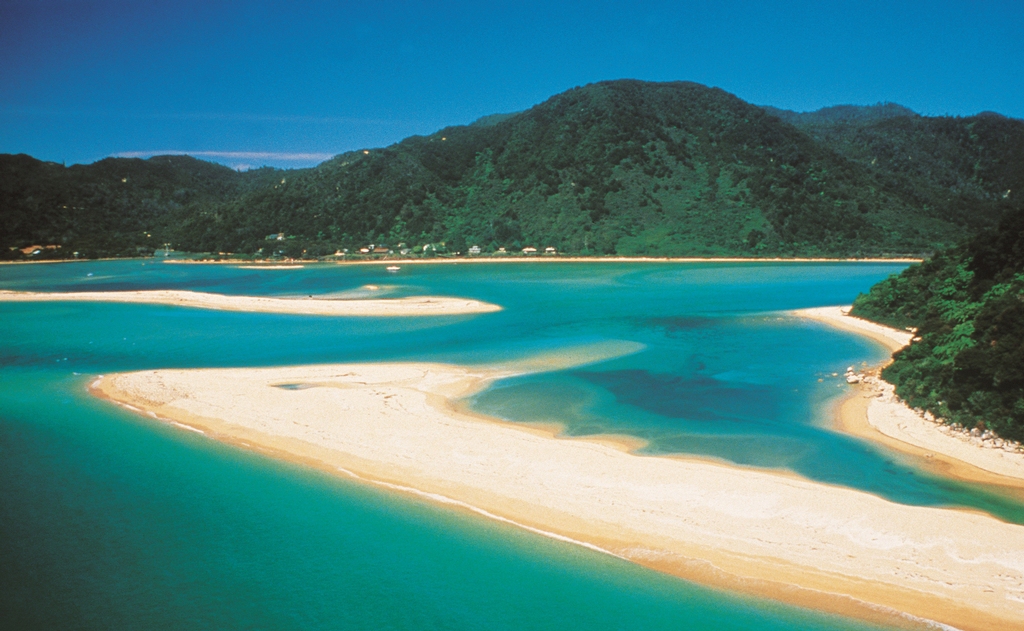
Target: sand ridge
(311,305)
(775,535)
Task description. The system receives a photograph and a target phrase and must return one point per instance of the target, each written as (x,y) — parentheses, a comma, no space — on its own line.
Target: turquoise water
(110,521)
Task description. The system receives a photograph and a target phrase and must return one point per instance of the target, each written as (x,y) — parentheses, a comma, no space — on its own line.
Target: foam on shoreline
(400,426)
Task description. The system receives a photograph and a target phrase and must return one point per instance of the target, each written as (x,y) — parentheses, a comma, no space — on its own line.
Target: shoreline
(779,536)
(383,307)
(873,412)
(108,258)
(544,259)
(271,266)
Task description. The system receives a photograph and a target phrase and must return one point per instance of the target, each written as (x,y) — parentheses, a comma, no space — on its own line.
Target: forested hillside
(621,167)
(114,207)
(963,169)
(842,114)
(968,306)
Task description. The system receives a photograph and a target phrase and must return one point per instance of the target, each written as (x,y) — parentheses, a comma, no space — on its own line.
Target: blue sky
(289,83)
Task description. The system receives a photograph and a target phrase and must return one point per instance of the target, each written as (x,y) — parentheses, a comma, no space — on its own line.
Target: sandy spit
(269,267)
(764,533)
(412,306)
(893,339)
(883,417)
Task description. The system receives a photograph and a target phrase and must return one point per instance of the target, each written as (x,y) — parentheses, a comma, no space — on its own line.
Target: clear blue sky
(285,83)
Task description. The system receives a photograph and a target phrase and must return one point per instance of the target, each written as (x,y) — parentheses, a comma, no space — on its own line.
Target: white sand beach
(759,532)
(269,267)
(390,307)
(893,339)
(882,417)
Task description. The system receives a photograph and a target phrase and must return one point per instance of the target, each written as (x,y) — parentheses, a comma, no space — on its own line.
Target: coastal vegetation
(966,363)
(614,168)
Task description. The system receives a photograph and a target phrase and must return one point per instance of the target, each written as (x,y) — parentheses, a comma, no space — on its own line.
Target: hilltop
(620,167)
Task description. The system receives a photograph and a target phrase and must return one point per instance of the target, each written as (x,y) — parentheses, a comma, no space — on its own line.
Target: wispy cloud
(231,155)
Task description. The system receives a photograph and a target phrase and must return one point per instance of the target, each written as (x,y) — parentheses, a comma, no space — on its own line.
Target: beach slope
(770,534)
(875,413)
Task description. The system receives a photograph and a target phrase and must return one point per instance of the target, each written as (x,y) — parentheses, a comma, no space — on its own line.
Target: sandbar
(875,413)
(269,267)
(401,425)
(385,307)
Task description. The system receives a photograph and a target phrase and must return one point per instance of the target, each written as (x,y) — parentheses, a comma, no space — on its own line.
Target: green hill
(114,207)
(620,167)
(960,169)
(968,306)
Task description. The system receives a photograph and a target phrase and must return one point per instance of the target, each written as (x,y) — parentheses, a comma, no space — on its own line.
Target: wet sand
(874,413)
(775,535)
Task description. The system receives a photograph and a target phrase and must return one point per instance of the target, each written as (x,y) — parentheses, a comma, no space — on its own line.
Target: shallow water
(109,520)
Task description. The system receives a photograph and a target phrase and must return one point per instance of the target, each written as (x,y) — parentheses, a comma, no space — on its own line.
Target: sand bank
(269,267)
(872,413)
(775,535)
(893,339)
(413,306)
(883,418)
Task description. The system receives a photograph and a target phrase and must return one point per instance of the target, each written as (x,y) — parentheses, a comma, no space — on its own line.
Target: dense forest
(621,167)
(114,207)
(966,364)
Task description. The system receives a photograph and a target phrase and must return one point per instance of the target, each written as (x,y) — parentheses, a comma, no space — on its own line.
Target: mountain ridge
(620,167)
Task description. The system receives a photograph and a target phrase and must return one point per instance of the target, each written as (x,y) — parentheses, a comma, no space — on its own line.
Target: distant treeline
(621,167)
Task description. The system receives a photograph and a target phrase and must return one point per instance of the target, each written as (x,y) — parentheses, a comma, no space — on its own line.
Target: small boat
(392,268)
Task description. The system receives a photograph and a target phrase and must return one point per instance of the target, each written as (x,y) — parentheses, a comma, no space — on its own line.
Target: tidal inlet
(592,444)
(532,316)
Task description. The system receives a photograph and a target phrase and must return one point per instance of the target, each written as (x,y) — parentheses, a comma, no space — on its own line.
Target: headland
(874,412)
